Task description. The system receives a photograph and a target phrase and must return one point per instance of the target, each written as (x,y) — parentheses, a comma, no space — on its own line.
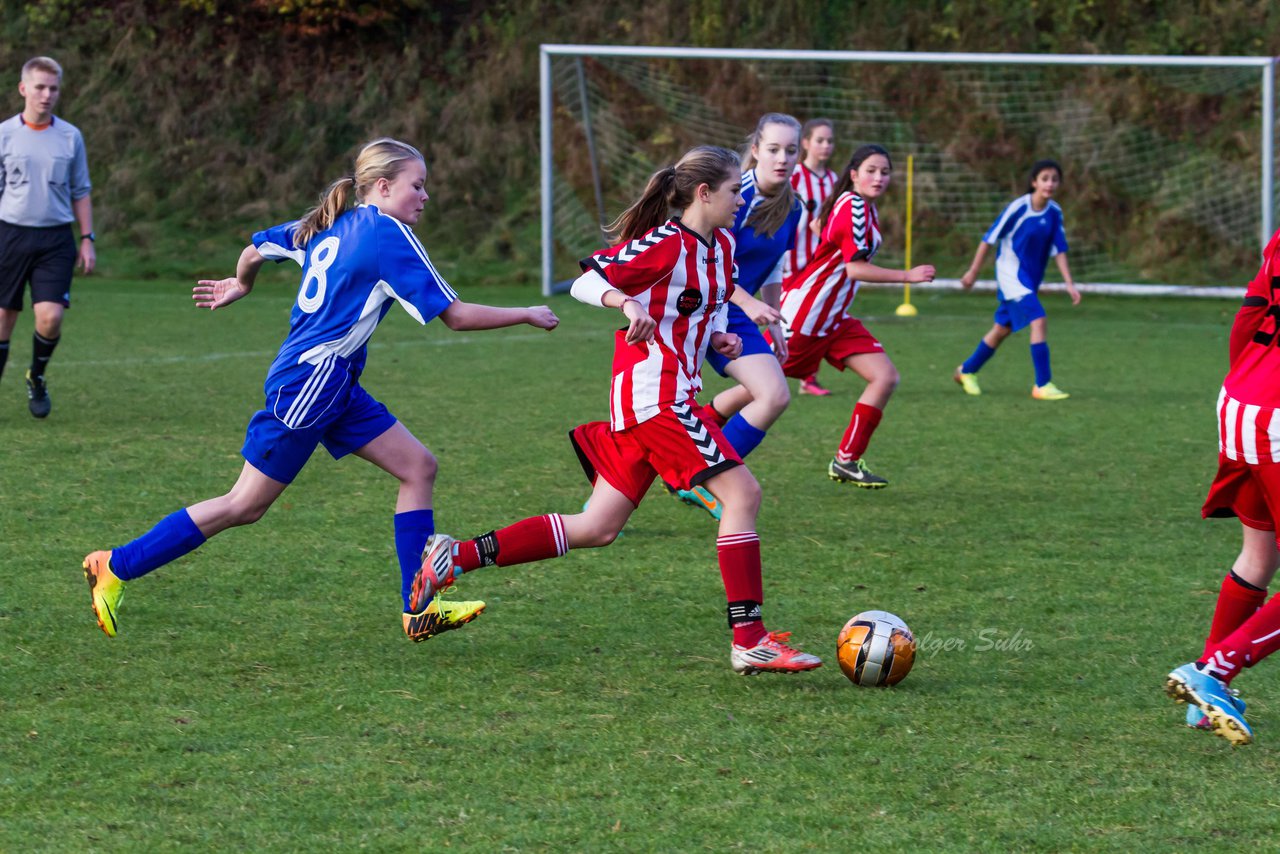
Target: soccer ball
(875,648)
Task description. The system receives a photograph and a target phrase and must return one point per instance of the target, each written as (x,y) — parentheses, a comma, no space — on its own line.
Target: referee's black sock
(4,355)
(41,350)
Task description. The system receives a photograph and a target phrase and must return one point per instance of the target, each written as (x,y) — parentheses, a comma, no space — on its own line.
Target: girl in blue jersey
(355,265)
(1026,235)
(765,231)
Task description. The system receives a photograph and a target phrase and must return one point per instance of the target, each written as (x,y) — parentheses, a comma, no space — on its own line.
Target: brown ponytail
(672,189)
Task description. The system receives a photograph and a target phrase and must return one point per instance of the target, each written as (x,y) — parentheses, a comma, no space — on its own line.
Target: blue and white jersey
(352,273)
(759,257)
(1025,240)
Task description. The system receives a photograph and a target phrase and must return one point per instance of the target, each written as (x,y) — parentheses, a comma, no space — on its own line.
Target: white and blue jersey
(759,259)
(352,273)
(1025,240)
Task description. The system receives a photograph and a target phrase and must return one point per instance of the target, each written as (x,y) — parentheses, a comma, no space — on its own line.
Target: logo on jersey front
(689,301)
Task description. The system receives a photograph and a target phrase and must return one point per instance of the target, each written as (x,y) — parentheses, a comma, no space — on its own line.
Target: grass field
(261,695)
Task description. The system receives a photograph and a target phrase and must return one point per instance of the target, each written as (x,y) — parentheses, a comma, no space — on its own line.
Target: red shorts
(806,352)
(678,444)
(1251,493)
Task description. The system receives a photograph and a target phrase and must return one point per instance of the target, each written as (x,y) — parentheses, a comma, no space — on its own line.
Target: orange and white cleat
(105,589)
(771,655)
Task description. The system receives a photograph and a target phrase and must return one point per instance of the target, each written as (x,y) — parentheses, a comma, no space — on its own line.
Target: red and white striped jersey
(684,283)
(815,298)
(1254,376)
(812,190)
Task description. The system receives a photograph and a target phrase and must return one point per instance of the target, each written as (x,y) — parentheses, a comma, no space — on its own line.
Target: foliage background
(201,114)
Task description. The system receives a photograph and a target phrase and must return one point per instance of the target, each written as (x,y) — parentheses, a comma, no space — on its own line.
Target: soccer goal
(1169,161)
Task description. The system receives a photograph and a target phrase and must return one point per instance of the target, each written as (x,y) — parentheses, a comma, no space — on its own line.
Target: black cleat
(38,396)
(857,473)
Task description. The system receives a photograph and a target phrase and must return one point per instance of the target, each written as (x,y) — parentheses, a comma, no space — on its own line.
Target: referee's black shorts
(43,256)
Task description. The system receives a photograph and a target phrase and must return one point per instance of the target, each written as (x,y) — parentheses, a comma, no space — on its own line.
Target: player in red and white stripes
(812,183)
(816,300)
(1243,630)
(671,278)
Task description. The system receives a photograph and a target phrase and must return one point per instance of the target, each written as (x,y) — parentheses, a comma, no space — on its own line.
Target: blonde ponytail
(382,158)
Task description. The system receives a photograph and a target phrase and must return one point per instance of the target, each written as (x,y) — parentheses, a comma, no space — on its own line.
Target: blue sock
(413,529)
(1040,358)
(742,435)
(171,538)
(974,363)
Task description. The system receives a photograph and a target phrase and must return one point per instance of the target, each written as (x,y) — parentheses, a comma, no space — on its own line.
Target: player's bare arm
(760,312)
(216,293)
(971,275)
(864,271)
(1065,269)
(467,316)
(641,326)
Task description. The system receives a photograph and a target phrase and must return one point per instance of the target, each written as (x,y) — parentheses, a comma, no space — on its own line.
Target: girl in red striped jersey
(816,299)
(812,183)
(671,277)
(1246,626)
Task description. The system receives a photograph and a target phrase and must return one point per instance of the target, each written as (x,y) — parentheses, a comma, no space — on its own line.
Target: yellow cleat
(968,382)
(439,617)
(105,588)
(1048,391)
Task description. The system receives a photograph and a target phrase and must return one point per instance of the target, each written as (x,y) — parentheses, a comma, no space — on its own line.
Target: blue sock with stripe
(171,538)
(413,529)
(1040,358)
(742,434)
(981,353)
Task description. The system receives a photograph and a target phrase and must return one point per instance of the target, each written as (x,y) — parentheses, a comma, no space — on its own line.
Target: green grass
(262,697)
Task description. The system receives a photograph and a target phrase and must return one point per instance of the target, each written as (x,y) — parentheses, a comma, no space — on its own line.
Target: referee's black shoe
(38,396)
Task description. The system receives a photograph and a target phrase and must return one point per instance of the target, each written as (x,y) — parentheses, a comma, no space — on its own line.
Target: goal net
(1168,161)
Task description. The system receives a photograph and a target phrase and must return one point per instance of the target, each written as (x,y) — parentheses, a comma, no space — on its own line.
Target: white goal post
(596,152)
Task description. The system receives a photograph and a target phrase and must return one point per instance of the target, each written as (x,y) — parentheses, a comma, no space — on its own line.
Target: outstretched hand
(760,312)
(542,317)
(211,294)
(922,273)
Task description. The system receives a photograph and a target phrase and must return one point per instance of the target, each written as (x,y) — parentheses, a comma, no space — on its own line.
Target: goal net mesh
(1161,164)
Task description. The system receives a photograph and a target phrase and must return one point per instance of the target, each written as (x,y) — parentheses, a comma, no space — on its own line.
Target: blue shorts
(753,341)
(308,409)
(1019,313)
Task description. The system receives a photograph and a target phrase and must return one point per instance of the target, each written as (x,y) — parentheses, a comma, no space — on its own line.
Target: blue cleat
(1197,719)
(699,497)
(1223,712)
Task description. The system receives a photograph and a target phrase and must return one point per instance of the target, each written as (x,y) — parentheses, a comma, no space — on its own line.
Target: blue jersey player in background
(356,264)
(765,233)
(1026,235)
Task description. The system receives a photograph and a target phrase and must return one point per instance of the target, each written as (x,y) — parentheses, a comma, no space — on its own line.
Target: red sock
(1254,640)
(709,411)
(535,538)
(858,435)
(739,556)
(1236,603)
